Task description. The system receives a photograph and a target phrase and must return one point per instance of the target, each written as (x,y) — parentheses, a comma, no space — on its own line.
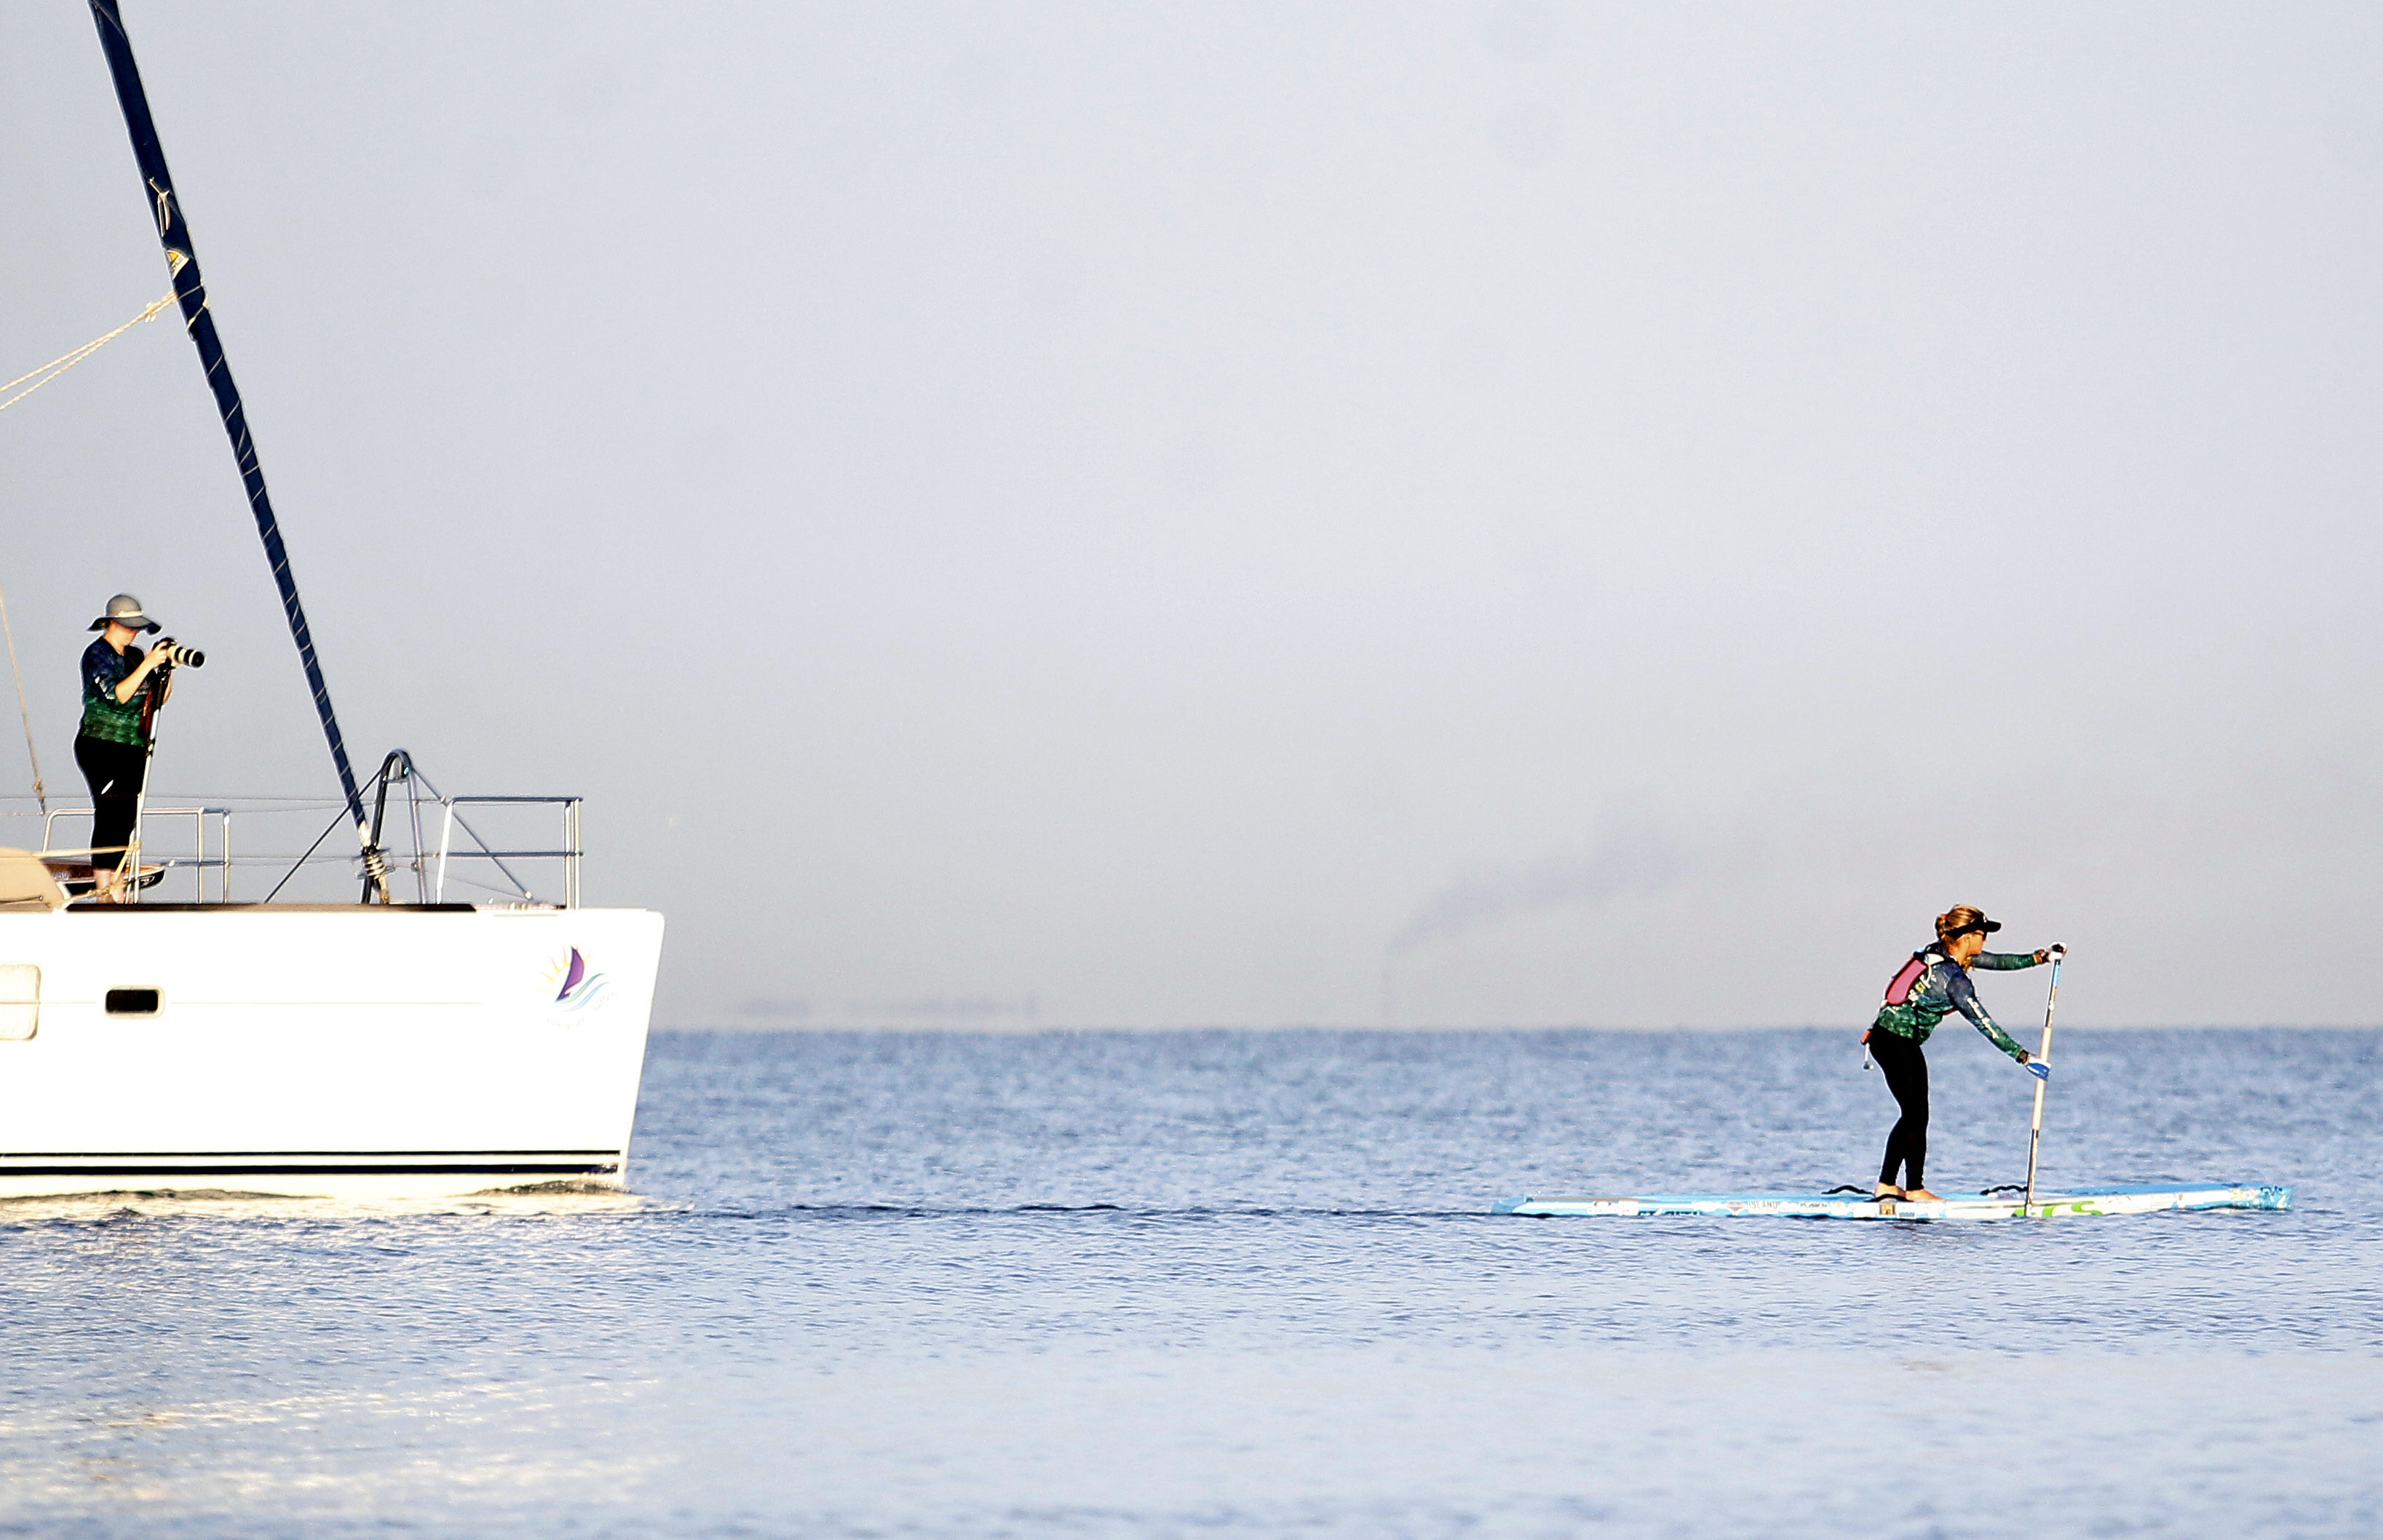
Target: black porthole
(132,1002)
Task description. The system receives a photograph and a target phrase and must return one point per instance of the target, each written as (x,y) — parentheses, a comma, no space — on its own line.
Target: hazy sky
(1129,514)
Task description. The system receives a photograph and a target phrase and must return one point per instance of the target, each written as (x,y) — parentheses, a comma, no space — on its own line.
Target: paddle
(2042,1079)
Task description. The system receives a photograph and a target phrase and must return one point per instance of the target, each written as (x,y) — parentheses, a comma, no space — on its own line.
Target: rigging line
(519,886)
(65,362)
(337,819)
(41,792)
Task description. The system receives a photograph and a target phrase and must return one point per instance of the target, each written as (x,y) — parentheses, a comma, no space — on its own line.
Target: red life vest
(1900,987)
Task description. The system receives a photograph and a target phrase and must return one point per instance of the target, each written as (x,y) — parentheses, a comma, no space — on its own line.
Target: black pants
(1906,1077)
(115,772)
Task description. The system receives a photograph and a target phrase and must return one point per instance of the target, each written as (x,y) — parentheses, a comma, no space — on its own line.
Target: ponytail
(1959,918)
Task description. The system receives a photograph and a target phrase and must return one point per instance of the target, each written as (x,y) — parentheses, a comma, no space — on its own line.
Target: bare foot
(1921,1195)
(1886,1189)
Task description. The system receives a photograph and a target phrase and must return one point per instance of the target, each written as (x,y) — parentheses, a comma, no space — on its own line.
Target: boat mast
(182,259)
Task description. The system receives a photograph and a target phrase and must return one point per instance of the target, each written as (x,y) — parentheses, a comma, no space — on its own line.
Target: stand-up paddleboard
(2075,1201)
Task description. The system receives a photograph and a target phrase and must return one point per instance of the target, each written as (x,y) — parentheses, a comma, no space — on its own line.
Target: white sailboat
(380,1048)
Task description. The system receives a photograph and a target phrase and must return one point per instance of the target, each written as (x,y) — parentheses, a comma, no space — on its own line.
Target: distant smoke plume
(1634,860)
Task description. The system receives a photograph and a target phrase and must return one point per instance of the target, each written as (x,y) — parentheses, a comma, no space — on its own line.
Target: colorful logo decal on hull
(579,990)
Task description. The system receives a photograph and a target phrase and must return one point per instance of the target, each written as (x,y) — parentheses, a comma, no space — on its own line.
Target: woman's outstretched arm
(1965,998)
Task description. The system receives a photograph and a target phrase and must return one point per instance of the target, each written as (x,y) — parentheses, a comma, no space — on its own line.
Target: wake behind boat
(2078,1202)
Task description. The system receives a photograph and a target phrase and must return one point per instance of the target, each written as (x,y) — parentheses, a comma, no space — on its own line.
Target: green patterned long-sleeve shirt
(104,716)
(1943,988)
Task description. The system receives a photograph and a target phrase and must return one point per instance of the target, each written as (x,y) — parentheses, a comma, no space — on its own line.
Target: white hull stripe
(316,1163)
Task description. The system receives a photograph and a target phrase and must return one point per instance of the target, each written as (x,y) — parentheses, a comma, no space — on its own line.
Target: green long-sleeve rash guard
(1943,988)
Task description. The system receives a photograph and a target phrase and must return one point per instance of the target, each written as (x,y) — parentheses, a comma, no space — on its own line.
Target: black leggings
(1906,1077)
(115,772)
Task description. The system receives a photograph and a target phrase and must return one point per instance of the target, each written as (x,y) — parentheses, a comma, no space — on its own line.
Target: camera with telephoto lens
(179,656)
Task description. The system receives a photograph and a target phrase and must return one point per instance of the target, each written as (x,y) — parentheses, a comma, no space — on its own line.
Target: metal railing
(198,863)
(570,850)
(435,841)
(430,868)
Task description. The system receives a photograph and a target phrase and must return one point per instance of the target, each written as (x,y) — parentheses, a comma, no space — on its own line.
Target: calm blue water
(1219,1284)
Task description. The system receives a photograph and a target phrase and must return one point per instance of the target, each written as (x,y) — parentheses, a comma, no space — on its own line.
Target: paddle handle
(2044,1052)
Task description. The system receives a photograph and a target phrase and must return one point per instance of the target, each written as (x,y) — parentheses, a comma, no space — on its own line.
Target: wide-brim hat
(124,611)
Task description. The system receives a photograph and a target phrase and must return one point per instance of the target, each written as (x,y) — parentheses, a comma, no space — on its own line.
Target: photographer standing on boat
(1933,985)
(123,684)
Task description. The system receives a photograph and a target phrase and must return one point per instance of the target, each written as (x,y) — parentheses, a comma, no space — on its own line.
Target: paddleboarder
(1933,985)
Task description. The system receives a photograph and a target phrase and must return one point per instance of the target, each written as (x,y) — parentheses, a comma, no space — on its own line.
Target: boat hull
(341,1052)
(2077,1203)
